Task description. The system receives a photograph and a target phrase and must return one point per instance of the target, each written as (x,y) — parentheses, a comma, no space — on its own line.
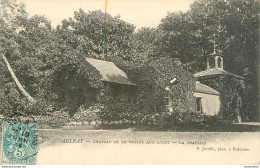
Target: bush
(163,119)
(115,109)
(87,114)
(55,119)
(215,121)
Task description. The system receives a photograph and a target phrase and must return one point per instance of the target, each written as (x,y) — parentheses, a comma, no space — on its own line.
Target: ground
(99,147)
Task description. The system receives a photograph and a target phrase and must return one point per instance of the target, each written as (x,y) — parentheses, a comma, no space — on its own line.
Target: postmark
(19,143)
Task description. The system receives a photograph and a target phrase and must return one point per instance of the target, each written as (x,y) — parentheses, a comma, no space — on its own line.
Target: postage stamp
(19,143)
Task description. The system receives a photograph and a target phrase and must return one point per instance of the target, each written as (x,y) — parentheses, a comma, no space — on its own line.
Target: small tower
(215,60)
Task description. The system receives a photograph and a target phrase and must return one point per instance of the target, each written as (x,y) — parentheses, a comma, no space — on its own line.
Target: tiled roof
(201,88)
(110,72)
(215,71)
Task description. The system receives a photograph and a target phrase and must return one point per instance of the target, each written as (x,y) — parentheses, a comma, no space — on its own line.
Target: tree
(12,12)
(30,99)
(96,38)
(144,45)
(190,36)
(26,43)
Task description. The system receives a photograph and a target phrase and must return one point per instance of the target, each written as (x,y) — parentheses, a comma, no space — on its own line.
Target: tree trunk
(20,87)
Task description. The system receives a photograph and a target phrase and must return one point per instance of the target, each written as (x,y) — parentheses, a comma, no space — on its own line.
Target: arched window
(220,62)
(211,62)
(169,99)
(239,102)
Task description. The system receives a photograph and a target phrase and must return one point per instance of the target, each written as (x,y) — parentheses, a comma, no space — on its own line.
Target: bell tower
(214,60)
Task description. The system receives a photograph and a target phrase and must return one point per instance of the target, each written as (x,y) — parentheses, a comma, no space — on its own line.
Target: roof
(201,88)
(215,71)
(215,54)
(110,72)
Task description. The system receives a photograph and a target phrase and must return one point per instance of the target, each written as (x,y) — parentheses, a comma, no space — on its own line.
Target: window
(116,90)
(198,104)
(211,62)
(220,62)
(239,102)
(132,99)
(169,100)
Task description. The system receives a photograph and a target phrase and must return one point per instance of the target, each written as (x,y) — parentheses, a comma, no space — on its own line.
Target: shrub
(231,89)
(55,119)
(87,114)
(167,119)
(117,109)
(215,121)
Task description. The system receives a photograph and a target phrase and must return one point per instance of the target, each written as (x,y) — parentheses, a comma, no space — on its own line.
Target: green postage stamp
(19,143)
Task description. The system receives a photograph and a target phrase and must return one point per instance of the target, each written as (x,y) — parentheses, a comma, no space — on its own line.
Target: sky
(141,13)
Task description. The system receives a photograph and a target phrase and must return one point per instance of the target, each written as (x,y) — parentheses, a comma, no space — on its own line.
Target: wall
(152,80)
(210,103)
(229,88)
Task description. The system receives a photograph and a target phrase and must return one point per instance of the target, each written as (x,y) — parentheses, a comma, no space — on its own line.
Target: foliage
(230,89)
(11,100)
(43,64)
(189,35)
(171,119)
(115,108)
(50,62)
(55,119)
(41,107)
(11,12)
(90,34)
(151,106)
(212,121)
(152,80)
(87,114)
(144,45)
(74,82)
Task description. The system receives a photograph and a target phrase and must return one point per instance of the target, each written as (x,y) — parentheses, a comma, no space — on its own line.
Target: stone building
(207,100)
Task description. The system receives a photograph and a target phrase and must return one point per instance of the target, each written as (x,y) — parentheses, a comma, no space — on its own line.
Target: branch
(20,87)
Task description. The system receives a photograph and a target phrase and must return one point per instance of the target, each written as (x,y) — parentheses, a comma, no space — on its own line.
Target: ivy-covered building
(202,99)
(166,83)
(122,89)
(234,96)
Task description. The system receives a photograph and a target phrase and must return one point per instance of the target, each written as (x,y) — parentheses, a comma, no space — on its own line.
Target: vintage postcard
(129,82)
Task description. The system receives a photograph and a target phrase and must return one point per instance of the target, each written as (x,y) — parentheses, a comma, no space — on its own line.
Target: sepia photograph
(129,82)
